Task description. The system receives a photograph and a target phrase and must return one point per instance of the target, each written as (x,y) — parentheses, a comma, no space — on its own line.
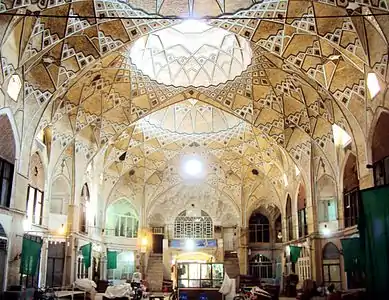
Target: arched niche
(380,150)
(35,191)
(259,228)
(302,211)
(196,224)
(350,191)
(331,266)
(122,219)
(289,218)
(327,204)
(60,196)
(7,160)
(84,205)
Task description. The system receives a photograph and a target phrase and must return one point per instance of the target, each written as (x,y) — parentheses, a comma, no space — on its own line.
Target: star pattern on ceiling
(307,73)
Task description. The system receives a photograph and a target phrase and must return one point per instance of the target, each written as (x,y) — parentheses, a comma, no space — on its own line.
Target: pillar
(243,250)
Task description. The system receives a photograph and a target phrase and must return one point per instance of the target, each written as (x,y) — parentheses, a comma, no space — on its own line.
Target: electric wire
(102,16)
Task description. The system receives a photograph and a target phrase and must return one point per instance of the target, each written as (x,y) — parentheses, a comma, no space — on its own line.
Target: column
(243,250)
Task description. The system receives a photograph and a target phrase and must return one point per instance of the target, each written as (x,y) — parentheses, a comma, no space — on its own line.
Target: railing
(126,232)
(171,234)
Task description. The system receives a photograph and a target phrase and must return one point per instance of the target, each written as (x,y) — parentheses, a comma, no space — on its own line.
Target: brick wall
(7,142)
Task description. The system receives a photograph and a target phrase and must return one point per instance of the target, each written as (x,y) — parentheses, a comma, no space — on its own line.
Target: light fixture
(189,244)
(62,230)
(279,235)
(372,84)
(326,231)
(144,241)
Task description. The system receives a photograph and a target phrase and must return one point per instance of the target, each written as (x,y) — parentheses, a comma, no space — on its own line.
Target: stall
(200,280)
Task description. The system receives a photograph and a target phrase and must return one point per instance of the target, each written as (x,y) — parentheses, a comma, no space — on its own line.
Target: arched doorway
(331,265)
(84,203)
(380,150)
(261,267)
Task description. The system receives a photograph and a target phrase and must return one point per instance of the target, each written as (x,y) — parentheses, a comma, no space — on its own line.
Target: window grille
(261,267)
(304,265)
(190,227)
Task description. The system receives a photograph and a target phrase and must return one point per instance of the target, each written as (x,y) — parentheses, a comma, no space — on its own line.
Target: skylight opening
(341,137)
(191,53)
(14,87)
(373,84)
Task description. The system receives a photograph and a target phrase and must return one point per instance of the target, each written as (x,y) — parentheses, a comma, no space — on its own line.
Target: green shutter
(112,259)
(31,252)
(352,254)
(86,251)
(294,253)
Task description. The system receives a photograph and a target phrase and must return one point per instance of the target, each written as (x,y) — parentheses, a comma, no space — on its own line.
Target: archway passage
(380,150)
(7,160)
(331,266)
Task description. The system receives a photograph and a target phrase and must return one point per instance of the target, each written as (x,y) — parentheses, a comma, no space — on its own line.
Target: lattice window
(304,265)
(193,227)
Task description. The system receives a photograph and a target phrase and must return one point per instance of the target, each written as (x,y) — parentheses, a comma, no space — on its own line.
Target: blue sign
(197,243)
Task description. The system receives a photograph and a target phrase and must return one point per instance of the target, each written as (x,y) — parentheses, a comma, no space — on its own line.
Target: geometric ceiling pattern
(191,53)
(307,72)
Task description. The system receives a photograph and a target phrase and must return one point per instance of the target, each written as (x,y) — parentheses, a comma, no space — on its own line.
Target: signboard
(197,243)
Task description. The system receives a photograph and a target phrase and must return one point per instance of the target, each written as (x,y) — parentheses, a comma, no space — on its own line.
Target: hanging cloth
(31,252)
(294,253)
(86,251)
(112,260)
(374,235)
(352,254)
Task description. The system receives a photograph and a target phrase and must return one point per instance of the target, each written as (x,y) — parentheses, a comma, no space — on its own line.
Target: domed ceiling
(299,68)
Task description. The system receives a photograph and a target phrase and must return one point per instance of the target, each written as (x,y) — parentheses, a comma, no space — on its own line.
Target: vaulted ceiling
(307,72)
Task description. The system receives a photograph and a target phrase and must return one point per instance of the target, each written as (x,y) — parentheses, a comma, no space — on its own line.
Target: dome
(191,53)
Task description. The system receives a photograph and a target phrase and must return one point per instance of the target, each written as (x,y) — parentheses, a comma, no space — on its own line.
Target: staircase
(155,272)
(231,264)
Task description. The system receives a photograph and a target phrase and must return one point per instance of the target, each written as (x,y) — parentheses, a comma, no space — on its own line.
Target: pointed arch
(84,204)
(350,191)
(122,219)
(302,211)
(289,218)
(60,195)
(7,159)
(259,228)
(380,149)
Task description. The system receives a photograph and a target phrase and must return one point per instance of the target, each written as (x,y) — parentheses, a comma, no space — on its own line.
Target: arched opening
(261,267)
(35,191)
(193,225)
(122,219)
(302,212)
(331,266)
(7,160)
(259,228)
(380,150)
(327,205)
(350,192)
(278,229)
(84,204)
(120,266)
(289,218)
(60,196)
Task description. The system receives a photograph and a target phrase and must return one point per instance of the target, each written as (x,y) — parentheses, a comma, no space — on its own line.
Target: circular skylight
(191,53)
(193,167)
